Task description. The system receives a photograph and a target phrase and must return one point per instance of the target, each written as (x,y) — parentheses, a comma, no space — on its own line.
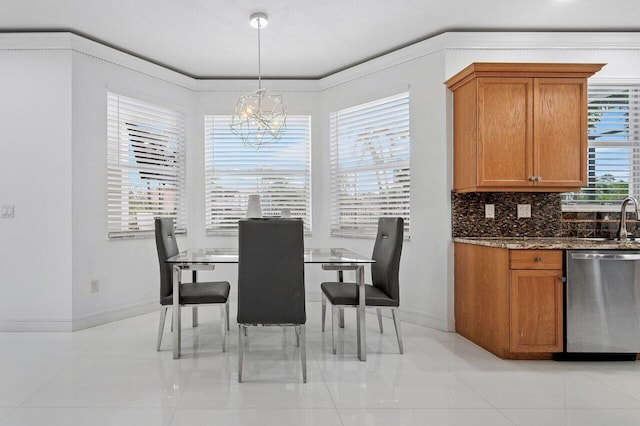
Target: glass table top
(230,255)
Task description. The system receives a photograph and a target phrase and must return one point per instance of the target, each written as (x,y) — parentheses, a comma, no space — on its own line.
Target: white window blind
(279,172)
(613,163)
(146,166)
(370,151)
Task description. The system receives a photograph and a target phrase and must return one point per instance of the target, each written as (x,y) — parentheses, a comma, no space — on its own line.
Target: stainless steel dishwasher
(603,301)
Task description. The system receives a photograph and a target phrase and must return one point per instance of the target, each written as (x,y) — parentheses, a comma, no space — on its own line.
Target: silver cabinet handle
(601,256)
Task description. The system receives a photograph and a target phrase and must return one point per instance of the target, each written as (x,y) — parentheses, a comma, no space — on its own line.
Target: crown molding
(66,41)
(245,86)
(485,40)
(438,45)
(541,40)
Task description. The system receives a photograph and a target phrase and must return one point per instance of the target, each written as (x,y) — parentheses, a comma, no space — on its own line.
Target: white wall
(127,270)
(424,280)
(53,168)
(35,176)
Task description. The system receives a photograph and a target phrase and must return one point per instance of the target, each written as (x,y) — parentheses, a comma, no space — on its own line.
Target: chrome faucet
(623,235)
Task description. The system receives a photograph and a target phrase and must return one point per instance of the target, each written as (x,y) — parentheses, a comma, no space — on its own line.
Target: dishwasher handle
(606,256)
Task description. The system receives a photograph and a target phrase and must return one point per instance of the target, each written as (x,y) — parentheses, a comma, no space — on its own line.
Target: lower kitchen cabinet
(536,311)
(509,301)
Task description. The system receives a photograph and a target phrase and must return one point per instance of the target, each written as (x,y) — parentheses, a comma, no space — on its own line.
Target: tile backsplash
(547,218)
(468,214)
(597,224)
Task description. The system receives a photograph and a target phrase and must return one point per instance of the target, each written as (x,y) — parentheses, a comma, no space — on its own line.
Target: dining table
(330,259)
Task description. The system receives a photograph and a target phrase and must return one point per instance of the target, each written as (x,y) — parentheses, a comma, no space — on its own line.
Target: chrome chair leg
(240,350)
(341,321)
(297,330)
(163,317)
(300,331)
(227,314)
(223,321)
(334,320)
(324,309)
(379,318)
(194,308)
(396,322)
(194,316)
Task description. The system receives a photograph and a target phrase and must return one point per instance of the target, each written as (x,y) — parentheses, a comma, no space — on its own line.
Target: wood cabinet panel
(536,311)
(560,130)
(513,313)
(481,293)
(466,129)
(535,259)
(523,127)
(505,131)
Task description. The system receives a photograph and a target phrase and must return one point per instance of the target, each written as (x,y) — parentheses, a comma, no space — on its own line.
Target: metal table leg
(341,310)
(176,312)
(362,335)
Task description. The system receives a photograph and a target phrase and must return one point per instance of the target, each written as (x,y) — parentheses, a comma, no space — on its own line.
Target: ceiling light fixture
(259,117)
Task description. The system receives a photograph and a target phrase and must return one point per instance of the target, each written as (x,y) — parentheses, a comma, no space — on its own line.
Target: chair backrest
(271,272)
(167,246)
(386,253)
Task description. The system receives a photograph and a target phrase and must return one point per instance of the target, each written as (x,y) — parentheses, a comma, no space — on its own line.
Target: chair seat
(346,294)
(200,292)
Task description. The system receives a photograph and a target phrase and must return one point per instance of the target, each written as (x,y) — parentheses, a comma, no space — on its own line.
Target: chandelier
(259,117)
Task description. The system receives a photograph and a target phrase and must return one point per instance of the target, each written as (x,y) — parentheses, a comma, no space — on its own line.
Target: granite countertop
(551,243)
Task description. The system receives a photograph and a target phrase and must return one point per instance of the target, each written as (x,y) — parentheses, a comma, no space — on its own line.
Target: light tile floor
(112,375)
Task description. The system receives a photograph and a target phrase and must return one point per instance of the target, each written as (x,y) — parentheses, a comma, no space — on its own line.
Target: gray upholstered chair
(194,293)
(385,291)
(271,279)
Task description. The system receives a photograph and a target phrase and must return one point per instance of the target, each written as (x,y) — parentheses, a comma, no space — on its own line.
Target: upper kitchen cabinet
(520,126)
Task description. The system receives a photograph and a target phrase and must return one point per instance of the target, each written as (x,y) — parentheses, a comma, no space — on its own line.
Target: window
(146,166)
(370,166)
(613,159)
(279,172)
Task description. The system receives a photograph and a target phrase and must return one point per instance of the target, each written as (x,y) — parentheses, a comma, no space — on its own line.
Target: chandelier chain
(259,56)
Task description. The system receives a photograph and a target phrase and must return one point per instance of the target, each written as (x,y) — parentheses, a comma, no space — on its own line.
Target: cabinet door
(505,110)
(536,311)
(560,131)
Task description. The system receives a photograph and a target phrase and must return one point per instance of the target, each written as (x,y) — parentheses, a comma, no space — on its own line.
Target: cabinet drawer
(535,259)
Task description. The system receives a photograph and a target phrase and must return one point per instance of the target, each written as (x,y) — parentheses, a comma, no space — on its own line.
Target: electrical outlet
(8,212)
(524,211)
(489,211)
(95,286)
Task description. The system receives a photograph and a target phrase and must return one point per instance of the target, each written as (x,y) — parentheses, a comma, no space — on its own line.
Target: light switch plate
(8,212)
(524,211)
(489,211)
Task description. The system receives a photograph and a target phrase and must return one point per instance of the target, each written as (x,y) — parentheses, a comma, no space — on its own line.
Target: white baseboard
(421,318)
(116,314)
(80,322)
(47,325)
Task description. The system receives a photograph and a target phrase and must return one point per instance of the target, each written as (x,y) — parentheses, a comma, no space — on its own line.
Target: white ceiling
(305,38)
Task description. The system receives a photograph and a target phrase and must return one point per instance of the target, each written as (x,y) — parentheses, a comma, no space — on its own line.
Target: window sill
(588,209)
(139,235)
